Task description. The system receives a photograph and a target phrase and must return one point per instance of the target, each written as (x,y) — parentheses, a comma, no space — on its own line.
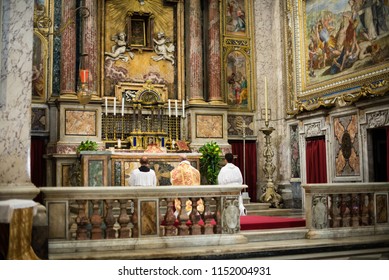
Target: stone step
(291,213)
(275,234)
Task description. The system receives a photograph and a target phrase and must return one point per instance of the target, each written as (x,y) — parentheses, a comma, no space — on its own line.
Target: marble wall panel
(80,122)
(209,126)
(346,146)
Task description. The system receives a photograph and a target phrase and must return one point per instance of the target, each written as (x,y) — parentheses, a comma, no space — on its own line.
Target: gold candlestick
(270,194)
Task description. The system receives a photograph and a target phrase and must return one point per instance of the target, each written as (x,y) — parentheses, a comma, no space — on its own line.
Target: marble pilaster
(15,101)
(90,44)
(68,49)
(214,60)
(195,49)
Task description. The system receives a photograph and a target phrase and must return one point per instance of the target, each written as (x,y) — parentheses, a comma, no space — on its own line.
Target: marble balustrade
(340,209)
(87,214)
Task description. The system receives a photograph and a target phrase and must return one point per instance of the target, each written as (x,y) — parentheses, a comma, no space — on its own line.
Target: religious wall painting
(237,84)
(39,68)
(236,17)
(209,126)
(346,146)
(80,122)
(341,54)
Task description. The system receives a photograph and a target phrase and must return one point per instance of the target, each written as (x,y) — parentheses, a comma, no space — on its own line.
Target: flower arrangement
(88,145)
(210,162)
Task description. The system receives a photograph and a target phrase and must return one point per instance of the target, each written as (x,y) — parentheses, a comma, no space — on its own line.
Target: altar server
(143,176)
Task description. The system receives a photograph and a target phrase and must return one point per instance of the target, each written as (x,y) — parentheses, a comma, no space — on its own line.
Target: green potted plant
(88,145)
(210,162)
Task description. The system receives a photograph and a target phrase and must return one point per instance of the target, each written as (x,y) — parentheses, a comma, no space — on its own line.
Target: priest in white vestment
(230,175)
(143,176)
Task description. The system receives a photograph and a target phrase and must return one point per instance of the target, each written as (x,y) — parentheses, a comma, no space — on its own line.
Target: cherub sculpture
(162,49)
(120,48)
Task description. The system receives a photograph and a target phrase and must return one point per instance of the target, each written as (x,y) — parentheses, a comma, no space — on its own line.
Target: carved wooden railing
(333,210)
(77,214)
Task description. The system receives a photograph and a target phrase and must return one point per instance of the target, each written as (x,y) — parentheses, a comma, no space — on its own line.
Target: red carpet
(267,222)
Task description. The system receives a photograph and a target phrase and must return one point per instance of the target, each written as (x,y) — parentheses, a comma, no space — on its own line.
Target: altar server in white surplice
(143,176)
(230,175)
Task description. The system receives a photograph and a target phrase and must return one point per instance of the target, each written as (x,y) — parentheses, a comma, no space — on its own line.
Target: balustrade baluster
(134,219)
(183,217)
(371,209)
(345,210)
(124,219)
(218,216)
(170,219)
(96,221)
(208,216)
(195,218)
(354,210)
(109,220)
(82,221)
(364,208)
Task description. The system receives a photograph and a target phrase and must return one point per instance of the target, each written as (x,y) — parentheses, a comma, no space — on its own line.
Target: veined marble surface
(15,100)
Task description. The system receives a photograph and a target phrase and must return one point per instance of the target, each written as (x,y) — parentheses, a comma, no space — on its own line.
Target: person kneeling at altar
(144,175)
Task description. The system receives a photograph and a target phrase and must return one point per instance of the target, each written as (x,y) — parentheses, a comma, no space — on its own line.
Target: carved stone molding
(313,129)
(377,119)
(230,217)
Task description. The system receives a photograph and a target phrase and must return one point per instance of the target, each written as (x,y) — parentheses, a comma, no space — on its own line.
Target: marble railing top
(346,187)
(126,192)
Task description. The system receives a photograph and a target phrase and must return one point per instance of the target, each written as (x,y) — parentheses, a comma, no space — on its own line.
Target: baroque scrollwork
(319,211)
(231,223)
(313,129)
(378,119)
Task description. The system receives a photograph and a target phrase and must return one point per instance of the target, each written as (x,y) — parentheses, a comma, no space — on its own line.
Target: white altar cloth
(7,208)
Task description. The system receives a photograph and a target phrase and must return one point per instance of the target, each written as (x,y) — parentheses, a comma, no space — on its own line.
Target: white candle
(119,144)
(169,108)
(122,106)
(183,108)
(106,106)
(266,115)
(175,102)
(114,107)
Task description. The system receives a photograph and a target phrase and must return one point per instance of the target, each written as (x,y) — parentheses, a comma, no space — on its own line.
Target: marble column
(68,49)
(195,46)
(15,100)
(90,43)
(214,66)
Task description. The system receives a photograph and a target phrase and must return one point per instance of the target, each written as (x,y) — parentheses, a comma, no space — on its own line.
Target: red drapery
(251,164)
(387,154)
(316,160)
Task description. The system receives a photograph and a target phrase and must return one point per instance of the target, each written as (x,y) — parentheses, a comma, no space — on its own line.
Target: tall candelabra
(270,194)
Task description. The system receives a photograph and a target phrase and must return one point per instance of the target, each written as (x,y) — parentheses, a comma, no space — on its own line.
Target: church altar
(113,168)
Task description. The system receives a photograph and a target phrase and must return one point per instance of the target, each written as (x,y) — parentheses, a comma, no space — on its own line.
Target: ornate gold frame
(242,43)
(341,90)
